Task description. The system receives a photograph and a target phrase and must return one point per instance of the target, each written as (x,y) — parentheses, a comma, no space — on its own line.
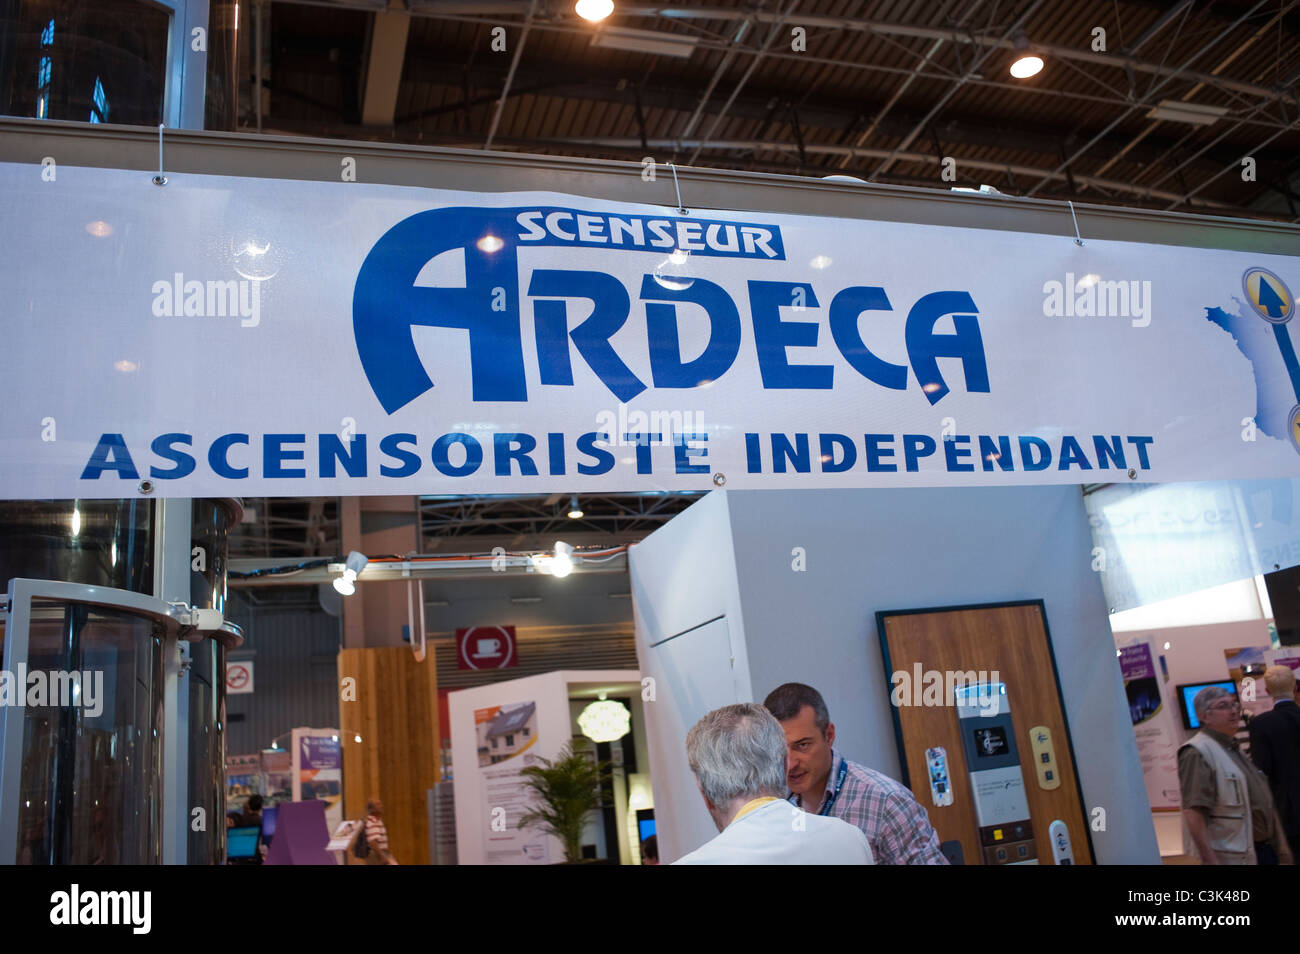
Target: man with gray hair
(738,756)
(1228,814)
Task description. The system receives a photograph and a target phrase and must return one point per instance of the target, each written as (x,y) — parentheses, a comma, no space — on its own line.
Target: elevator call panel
(1040,743)
(1006,836)
(936,763)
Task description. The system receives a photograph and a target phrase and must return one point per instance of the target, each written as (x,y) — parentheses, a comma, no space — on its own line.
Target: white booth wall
(722,616)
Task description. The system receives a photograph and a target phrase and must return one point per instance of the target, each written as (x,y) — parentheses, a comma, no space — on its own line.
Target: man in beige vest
(1228,812)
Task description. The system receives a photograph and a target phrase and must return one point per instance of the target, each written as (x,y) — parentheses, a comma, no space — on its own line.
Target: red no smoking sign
(239,676)
(486,647)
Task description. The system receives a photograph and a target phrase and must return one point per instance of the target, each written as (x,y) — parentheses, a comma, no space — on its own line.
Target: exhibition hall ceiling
(1148,104)
(277,527)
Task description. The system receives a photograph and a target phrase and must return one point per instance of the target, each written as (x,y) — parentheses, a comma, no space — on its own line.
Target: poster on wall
(318,770)
(507,742)
(278,766)
(1157,750)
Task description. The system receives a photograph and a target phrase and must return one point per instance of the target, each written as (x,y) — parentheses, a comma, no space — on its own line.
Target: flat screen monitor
(268,824)
(1187,693)
(645,823)
(241,842)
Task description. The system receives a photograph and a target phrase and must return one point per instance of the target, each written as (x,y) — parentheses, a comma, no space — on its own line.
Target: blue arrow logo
(1269,299)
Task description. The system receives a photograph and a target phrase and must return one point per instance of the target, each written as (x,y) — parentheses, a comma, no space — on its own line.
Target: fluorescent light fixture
(645,41)
(594,10)
(1176,111)
(525,599)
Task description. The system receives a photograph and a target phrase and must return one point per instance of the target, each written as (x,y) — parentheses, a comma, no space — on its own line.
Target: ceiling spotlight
(346,584)
(562,562)
(594,10)
(1026,64)
(575,511)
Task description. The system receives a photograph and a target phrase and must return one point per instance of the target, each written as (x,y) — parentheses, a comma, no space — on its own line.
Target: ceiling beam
(679,93)
(384,67)
(460,10)
(1147,99)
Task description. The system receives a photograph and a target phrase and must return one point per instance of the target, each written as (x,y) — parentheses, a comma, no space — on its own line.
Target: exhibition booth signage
(235,335)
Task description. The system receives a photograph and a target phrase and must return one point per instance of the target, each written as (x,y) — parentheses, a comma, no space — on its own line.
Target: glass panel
(225,19)
(91,787)
(208,751)
(210,530)
(96,542)
(101,62)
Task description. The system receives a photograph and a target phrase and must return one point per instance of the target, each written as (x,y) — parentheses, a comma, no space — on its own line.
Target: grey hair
(736,752)
(1205,698)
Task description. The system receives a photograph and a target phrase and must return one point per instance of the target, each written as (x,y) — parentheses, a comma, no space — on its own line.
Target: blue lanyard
(839,784)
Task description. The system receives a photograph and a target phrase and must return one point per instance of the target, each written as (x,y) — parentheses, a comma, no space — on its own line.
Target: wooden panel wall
(1013,641)
(395,712)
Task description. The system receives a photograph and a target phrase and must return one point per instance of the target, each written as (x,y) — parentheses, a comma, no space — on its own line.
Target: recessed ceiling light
(1027,66)
(594,10)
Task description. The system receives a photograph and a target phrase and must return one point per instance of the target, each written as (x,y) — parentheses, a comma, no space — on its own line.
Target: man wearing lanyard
(821,780)
(737,754)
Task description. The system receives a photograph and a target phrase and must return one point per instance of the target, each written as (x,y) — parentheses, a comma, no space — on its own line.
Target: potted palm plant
(567,790)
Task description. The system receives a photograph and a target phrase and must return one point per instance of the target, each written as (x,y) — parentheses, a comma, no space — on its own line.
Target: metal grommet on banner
(160,179)
(146,487)
(1077,239)
(719,479)
(681,210)
(1132,473)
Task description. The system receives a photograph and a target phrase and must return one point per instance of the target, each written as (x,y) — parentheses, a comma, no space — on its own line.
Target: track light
(562,562)
(346,584)
(575,511)
(1026,63)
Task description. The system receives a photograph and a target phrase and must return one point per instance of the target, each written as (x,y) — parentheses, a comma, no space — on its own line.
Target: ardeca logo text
(393,294)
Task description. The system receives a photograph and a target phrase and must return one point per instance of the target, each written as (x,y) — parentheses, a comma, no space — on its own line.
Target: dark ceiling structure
(1144,104)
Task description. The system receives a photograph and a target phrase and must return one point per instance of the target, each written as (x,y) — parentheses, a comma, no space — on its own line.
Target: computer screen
(1187,693)
(241,841)
(268,824)
(645,823)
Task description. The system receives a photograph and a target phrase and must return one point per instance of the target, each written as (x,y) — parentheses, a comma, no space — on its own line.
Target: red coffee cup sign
(486,647)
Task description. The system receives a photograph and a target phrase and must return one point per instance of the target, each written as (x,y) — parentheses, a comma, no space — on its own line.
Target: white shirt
(777,833)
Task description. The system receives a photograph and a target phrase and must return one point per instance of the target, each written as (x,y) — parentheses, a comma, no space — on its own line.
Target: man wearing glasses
(1228,813)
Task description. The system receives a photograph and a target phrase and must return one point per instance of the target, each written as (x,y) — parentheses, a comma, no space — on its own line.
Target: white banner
(229,336)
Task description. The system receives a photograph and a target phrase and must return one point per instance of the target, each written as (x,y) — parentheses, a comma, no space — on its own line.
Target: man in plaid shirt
(823,781)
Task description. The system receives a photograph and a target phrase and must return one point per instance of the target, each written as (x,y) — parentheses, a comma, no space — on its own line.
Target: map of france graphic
(1269,349)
